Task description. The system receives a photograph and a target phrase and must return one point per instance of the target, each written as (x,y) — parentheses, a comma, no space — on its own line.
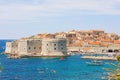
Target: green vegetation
(114,72)
(118,59)
(1,68)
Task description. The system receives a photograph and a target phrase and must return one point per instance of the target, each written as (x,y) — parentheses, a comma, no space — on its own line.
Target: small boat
(62,58)
(95,63)
(71,53)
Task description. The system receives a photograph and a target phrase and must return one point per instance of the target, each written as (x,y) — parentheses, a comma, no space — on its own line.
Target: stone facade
(38,47)
(54,47)
(94,49)
(29,47)
(11,47)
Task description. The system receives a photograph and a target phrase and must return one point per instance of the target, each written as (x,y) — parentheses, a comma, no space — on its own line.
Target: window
(61,44)
(34,47)
(62,48)
(54,48)
(29,48)
(39,47)
(54,44)
(34,53)
(47,44)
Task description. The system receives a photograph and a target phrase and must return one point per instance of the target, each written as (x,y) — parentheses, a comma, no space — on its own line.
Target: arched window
(116,50)
(110,50)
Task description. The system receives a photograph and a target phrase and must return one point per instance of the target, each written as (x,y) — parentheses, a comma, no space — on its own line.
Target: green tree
(1,68)
(114,72)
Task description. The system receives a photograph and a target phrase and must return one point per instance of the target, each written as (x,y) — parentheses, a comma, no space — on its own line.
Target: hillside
(83,37)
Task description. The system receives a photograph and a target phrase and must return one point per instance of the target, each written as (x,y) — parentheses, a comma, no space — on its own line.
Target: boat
(95,63)
(62,58)
(71,53)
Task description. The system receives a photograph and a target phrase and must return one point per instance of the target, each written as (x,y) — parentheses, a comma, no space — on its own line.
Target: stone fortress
(61,43)
(37,47)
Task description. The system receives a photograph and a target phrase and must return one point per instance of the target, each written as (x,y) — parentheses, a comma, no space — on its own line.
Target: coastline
(99,57)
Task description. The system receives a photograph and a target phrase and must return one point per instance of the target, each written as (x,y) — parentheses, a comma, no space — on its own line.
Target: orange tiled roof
(78,43)
(95,43)
(86,48)
(105,45)
(116,41)
(106,40)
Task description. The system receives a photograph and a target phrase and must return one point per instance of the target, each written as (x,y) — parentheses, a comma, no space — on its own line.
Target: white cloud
(13,12)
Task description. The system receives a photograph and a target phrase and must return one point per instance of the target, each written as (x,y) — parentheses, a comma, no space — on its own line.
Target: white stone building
(38,47)
(54,47)
(11,47)
(29,47)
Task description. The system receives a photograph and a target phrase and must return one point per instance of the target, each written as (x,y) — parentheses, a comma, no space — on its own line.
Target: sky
(23,18)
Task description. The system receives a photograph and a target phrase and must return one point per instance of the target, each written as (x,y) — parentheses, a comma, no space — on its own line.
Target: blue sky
(22,18)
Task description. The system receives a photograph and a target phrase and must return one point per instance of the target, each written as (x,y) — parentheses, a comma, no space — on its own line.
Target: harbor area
(105,56)
(99,57)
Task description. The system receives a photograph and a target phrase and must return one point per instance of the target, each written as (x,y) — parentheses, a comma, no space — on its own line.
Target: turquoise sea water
(71,68)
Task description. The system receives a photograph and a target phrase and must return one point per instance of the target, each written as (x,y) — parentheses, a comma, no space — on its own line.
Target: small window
(39,47)
(34,47)
(61,44)
(54,48)
(62,48)
(47,44)
(54,44)
(29,48)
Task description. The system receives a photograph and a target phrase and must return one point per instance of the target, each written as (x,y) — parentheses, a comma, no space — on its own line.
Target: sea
(41,68)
